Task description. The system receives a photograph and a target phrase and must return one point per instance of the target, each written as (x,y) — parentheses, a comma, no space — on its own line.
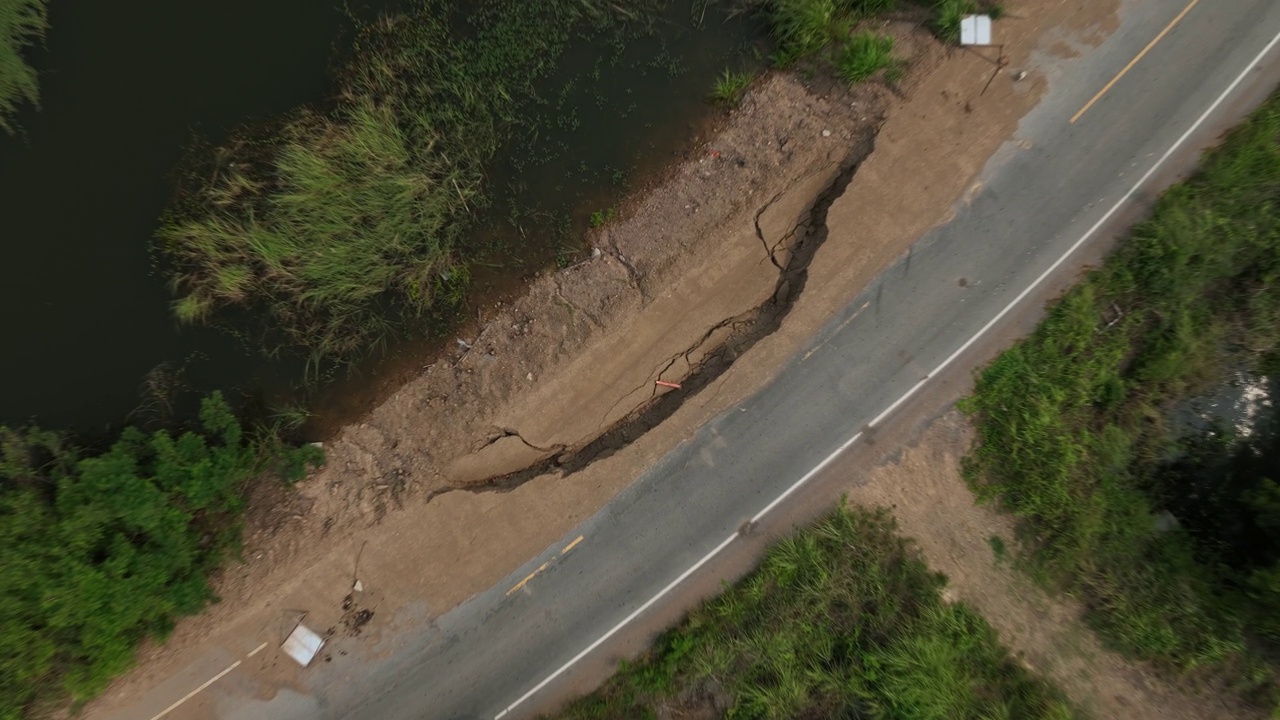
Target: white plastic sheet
(975,30)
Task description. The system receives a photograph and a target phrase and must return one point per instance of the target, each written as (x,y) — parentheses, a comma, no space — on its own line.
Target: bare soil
(709,280)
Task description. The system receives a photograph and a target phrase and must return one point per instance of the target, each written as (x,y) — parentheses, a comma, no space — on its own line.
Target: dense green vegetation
(344,224)
(844,620)
(1076,436)
(818,30)
(22,24)
(99,551)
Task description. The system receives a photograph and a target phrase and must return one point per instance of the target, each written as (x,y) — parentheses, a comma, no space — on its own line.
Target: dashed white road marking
(193,693)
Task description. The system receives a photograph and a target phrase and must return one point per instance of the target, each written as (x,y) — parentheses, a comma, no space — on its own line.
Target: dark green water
(127,86)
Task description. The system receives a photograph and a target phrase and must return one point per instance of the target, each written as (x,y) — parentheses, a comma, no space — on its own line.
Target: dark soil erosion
(796,249)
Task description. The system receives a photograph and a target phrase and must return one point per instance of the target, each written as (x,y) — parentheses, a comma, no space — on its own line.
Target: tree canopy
(99,551)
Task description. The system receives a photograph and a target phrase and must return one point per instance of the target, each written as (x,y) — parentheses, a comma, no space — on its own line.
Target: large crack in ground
(746,329)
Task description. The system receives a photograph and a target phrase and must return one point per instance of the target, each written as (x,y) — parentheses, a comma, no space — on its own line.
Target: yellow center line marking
(571,545)
(1134,61)
(527,578)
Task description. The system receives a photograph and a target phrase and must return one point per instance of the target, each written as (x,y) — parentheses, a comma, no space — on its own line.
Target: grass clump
(100,551)
(842,620)
(731,86)
(822,31)
(1075,433)
(599,218)
(344,224)
(864,55)
(22,24)
(363,211)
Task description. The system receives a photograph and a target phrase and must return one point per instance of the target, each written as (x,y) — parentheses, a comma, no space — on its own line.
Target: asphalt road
(1073,184)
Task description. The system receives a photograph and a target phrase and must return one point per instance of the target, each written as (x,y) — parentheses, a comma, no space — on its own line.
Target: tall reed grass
(821,33)
(809,27)
(22,25)
(343,225)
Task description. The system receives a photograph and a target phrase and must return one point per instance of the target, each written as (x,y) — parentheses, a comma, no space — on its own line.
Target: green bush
(842,620)
(99,551)
(22,24)
(1073,428)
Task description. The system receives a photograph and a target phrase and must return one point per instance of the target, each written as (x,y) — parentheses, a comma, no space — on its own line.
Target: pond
(127,89)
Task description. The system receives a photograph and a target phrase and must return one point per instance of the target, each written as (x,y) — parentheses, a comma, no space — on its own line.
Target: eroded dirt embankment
(709,280)
(789,245)
(694,274)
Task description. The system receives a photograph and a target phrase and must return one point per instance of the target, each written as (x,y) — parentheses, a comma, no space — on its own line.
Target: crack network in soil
(747,329)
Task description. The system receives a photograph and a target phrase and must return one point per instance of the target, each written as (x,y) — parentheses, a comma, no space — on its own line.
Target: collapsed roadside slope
(723,246)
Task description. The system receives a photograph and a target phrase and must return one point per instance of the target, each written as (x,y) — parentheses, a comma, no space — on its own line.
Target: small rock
(595,252)
(826,133)
(1021,74)
(529,377)
(358,587)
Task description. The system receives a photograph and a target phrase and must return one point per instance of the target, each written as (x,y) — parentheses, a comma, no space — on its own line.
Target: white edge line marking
(1083,238)
(807,477)
(625,621)
(193,693)
(209,682)
(914,389)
